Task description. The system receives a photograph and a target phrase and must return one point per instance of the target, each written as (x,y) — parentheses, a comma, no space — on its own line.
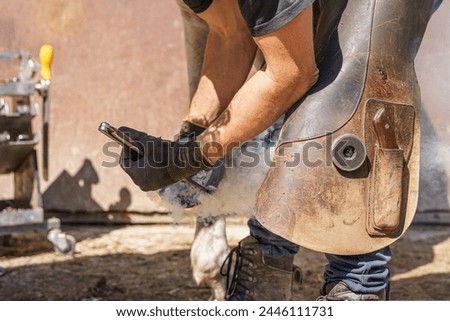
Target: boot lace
(232,273)
(232,269)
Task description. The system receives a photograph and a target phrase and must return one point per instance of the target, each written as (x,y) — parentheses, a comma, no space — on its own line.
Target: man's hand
(187,193)
(163,162)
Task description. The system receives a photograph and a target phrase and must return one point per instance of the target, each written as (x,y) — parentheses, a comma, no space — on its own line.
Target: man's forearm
(229,54)
(259,103)
(290,72)
(226,66)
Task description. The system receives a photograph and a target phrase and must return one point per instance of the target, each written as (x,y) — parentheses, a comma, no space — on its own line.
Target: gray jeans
(366,273)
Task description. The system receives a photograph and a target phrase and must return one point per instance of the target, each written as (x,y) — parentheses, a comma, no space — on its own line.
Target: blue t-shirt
(261,16)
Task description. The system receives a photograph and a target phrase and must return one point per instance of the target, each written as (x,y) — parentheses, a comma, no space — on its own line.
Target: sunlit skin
(234,110)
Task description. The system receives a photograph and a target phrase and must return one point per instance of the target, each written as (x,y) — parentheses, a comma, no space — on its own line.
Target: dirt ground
(151,262)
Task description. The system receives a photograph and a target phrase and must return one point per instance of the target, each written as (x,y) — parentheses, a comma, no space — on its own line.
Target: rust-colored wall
(120,61)
(433,71)
(123,61)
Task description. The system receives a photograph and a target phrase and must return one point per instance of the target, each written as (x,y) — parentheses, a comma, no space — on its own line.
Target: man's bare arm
(229,54)
(290,73)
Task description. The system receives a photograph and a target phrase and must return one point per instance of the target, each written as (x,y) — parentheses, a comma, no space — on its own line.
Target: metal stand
(25,213)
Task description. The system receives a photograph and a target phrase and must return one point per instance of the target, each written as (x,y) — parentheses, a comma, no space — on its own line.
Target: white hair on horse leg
(245,170)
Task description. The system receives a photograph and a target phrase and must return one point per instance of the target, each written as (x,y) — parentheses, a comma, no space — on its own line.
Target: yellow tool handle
(46,57)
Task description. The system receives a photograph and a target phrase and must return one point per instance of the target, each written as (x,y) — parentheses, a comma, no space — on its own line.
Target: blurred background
(117,61)
(123,61)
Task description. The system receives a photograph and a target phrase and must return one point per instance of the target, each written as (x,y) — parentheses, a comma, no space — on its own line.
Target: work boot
(251,276)
(339,291)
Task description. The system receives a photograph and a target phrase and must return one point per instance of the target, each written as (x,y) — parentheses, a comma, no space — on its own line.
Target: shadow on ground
(112,277)
(420,267)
